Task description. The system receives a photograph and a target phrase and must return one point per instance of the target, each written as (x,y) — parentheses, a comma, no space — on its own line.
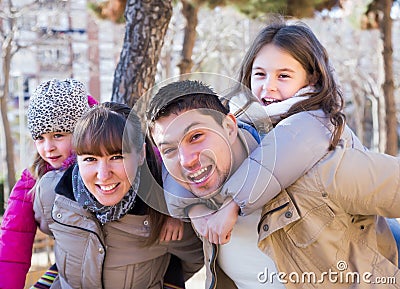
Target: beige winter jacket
(325,221)
(327,230)
(328,224)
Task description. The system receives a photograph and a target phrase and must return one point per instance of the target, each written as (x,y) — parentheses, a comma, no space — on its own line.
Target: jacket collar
(64,186)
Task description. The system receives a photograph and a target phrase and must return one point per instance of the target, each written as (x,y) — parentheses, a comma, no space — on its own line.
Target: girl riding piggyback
(53,110)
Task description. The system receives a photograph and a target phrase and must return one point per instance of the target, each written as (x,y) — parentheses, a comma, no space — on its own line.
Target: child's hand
(220,224)
(172,230)
(199,215)
(200,225)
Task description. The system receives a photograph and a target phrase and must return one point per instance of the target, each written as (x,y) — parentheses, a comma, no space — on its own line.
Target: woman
(105,235)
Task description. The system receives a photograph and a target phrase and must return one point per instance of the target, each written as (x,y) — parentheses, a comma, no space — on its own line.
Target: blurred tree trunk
(300,8)
(190,12)
(378,16)
(388,85)
(7,42)
(146,25)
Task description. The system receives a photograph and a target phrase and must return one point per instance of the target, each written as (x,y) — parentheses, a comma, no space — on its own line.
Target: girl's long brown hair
(300,42)
(37,170)
(38,167)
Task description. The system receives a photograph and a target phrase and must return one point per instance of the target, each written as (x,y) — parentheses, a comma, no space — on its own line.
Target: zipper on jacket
(79,228)
(90,231)
(263,217)
(213,259)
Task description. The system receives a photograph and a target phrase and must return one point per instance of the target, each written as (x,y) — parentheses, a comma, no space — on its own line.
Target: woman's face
(108,177)
(276,75)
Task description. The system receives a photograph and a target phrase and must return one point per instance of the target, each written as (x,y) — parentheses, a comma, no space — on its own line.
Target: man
(328,215)
(201,144)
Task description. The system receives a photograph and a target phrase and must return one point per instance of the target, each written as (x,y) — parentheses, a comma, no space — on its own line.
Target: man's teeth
(108,188)
(200,180)
(198,173)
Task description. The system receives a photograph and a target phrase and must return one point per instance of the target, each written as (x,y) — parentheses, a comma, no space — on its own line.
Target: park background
(120,58)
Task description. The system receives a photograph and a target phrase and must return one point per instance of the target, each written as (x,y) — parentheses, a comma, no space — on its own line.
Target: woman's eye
(58,135)
(89,159)
(117,157)
(284,76)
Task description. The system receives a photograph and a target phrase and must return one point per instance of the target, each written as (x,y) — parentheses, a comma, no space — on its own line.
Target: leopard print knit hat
(55,106)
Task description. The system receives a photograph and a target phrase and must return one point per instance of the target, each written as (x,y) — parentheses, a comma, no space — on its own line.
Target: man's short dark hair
(182,96)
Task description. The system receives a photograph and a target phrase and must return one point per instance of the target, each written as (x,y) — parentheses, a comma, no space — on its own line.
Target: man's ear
(230,126)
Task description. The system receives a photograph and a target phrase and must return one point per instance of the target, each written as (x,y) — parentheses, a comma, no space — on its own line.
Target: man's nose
(188,158)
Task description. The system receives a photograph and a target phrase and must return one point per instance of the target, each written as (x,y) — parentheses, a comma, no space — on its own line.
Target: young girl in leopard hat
(53,110)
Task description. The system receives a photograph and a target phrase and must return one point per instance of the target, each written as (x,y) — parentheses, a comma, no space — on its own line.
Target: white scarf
(257,114)
(103,213)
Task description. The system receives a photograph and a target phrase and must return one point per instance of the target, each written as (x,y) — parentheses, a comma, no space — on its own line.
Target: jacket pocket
(311,225)
(276,214)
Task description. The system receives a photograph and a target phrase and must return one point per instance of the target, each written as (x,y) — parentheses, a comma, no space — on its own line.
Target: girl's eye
(39,138)
(284,76)
(58,135)
(258,73)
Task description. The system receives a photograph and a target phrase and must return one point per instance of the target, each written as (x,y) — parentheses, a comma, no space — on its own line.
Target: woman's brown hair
(114,128)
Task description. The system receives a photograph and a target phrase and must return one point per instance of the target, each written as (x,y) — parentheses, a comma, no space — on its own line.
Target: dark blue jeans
(394,226)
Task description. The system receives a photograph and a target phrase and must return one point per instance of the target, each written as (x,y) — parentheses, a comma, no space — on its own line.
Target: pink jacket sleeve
(17,233)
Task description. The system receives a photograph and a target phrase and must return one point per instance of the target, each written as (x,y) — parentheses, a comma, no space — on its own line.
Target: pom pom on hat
(55,106)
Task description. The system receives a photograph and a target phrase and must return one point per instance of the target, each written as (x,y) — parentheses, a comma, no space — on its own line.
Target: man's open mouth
(200,175)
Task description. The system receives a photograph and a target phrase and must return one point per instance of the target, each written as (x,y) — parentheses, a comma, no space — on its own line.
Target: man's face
(196,150)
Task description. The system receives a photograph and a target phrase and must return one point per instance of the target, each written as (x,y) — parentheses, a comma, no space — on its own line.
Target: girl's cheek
(38,148)
(255,89)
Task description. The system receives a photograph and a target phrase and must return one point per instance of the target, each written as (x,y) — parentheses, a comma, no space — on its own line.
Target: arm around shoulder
(286,153)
